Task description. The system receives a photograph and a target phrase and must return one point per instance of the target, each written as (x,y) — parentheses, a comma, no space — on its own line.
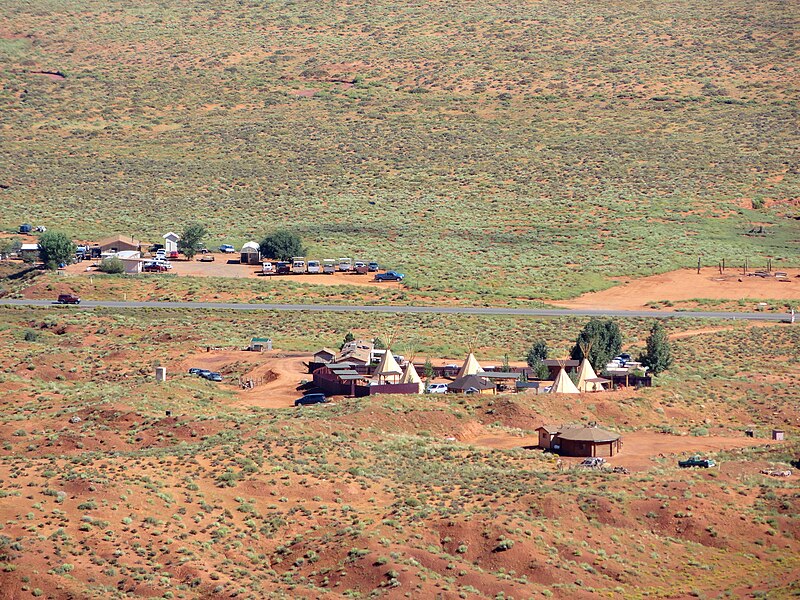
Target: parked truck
(329,266)
(314,266)
(345,264)
(298,265)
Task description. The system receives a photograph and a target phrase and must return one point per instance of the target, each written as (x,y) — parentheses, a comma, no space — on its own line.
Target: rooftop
(587,434)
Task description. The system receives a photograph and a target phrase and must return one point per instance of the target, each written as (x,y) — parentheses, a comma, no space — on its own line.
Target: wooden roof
(119,238)
(470,381)
(552,362)
(350,377)
(498,375)
(588,434)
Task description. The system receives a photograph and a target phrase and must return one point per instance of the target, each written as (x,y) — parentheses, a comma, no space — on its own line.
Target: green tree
(192,239)
(347,339)
(378,344)
(657,357)
(427,369)
(603,339)
(536,357)
(112,265)
(282,245)
(55,248)
(7,246)
(537,353)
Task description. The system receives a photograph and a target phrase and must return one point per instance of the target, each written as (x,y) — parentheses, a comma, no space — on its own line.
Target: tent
(563,384)
(470,366)
(388,367)
(587,378)
(410,376)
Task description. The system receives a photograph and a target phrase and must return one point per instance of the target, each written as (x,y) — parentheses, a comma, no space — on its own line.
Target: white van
(267,268)
(314,266)
(299,264)
(329,266)
(345,264)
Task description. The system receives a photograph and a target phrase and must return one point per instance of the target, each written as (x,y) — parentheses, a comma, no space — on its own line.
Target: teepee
(470,366)
(411,376)
(388,368)
(586,372)
(563,384)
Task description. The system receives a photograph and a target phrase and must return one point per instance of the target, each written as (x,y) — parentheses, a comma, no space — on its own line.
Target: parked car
(153,267)
(227,249)
(68,299)
(206,258)
(696,461)
(194,371)
(214,377)
(311,399)
(373,266)
(436,388)
(204,373)
(594,462)
(472,390)
(360,267)
(173,254)
(267,268)
(389,276)
(283,268)
(161,254)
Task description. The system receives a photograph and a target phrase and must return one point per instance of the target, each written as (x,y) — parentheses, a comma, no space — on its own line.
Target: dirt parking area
(687,284)
(227,265)
(277,375)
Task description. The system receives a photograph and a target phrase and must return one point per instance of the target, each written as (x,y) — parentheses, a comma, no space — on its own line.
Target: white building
(132,260)
(171,242)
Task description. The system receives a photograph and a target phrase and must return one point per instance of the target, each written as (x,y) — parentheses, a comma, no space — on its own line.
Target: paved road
(452,310)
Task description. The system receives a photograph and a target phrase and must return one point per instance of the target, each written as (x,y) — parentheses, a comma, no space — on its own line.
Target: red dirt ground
(686,284)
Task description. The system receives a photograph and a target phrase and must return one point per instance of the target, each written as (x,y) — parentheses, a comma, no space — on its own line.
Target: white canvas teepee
(411,376)
(470,366)
(388,367)
(563,384)
(585,371)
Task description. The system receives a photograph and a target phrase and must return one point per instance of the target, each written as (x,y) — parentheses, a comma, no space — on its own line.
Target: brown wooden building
(119,243)
(579,440)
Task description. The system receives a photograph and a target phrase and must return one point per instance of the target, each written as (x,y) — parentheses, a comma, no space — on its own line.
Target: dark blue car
(389,276)
(311,399)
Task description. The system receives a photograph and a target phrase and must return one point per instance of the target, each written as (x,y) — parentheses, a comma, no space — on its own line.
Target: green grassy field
(527,150)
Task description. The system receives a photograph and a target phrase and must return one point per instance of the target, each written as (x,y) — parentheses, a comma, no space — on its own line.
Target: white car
(437,388)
